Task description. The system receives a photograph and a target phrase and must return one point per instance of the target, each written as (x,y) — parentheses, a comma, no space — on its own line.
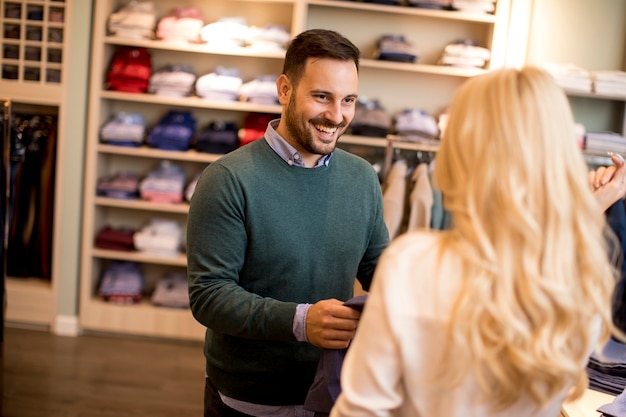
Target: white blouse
(398,343)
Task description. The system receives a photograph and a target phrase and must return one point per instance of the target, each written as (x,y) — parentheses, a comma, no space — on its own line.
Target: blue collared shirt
(286,151)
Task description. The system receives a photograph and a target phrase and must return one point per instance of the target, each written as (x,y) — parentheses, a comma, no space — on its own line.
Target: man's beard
(301,133)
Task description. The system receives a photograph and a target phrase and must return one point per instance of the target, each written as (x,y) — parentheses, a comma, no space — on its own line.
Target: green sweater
(263,236)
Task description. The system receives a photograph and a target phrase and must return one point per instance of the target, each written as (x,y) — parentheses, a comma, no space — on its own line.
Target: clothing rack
(414,151)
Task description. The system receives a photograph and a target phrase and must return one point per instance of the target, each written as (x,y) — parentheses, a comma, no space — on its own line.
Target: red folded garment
(116,238)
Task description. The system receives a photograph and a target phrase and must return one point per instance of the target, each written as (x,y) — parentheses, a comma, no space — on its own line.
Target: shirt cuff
(299,322)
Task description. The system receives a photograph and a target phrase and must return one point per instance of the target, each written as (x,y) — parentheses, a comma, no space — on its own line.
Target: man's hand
(609,183)
(330,324)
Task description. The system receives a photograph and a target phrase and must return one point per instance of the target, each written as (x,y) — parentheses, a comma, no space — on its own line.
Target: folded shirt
(161,237)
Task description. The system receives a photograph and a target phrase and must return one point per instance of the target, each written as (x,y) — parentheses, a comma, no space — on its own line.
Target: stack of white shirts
(222,84)
(570,76)
(136,20)
(261,90)
(172,81)
(465,53)
(226,33)
(609,82)
(475,6)
(160,237)
(124,129)
(268,38)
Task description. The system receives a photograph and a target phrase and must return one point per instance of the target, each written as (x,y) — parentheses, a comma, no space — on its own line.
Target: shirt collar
(287,152)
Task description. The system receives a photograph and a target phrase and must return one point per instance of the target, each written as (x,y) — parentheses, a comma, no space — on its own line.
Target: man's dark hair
(317,43)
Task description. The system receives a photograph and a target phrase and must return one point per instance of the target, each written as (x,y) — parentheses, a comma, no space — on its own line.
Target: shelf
(142,257)
(192,102)
(147,152)
(422,68)
(364,140)
(576,93)
(199,48)
(418,144)
(406,10)
(138,204)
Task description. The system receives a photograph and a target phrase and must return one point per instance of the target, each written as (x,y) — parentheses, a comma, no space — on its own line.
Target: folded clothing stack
(129,70)
(123,282)
(164,184)
(218,137)
(268,38)
(607,368)
(161,237)
(570,76)
(124,129)
(415,124)
(221,84)
(182,24)
(395,48)
(136,20)
(599,143)
(172,291)
(609,82)
(174,131)
(172,81)
(370,119)
(225,33)
(254,127)
(116,238)
(123,184)
(261,90)
(465,53)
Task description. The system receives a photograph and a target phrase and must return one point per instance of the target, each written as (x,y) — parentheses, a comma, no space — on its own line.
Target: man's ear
(283,87)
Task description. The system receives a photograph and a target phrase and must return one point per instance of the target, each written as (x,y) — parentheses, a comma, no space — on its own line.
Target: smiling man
(277,232)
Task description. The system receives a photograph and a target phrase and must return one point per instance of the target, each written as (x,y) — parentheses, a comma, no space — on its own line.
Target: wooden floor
(99,376)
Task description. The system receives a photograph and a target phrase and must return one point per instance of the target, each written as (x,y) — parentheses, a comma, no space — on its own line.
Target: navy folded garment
(218,137)
(326,385)
(174,131)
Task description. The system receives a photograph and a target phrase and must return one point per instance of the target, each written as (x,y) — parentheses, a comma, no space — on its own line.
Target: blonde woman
(496,316)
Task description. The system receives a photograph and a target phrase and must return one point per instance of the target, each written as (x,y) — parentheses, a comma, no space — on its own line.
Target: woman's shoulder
(418,240)
(418,265)
(417,250)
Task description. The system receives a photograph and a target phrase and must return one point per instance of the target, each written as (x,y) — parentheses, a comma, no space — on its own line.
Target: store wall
(590,34)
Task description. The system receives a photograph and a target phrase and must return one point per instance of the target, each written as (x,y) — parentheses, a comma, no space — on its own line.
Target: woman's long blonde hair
(532,239)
